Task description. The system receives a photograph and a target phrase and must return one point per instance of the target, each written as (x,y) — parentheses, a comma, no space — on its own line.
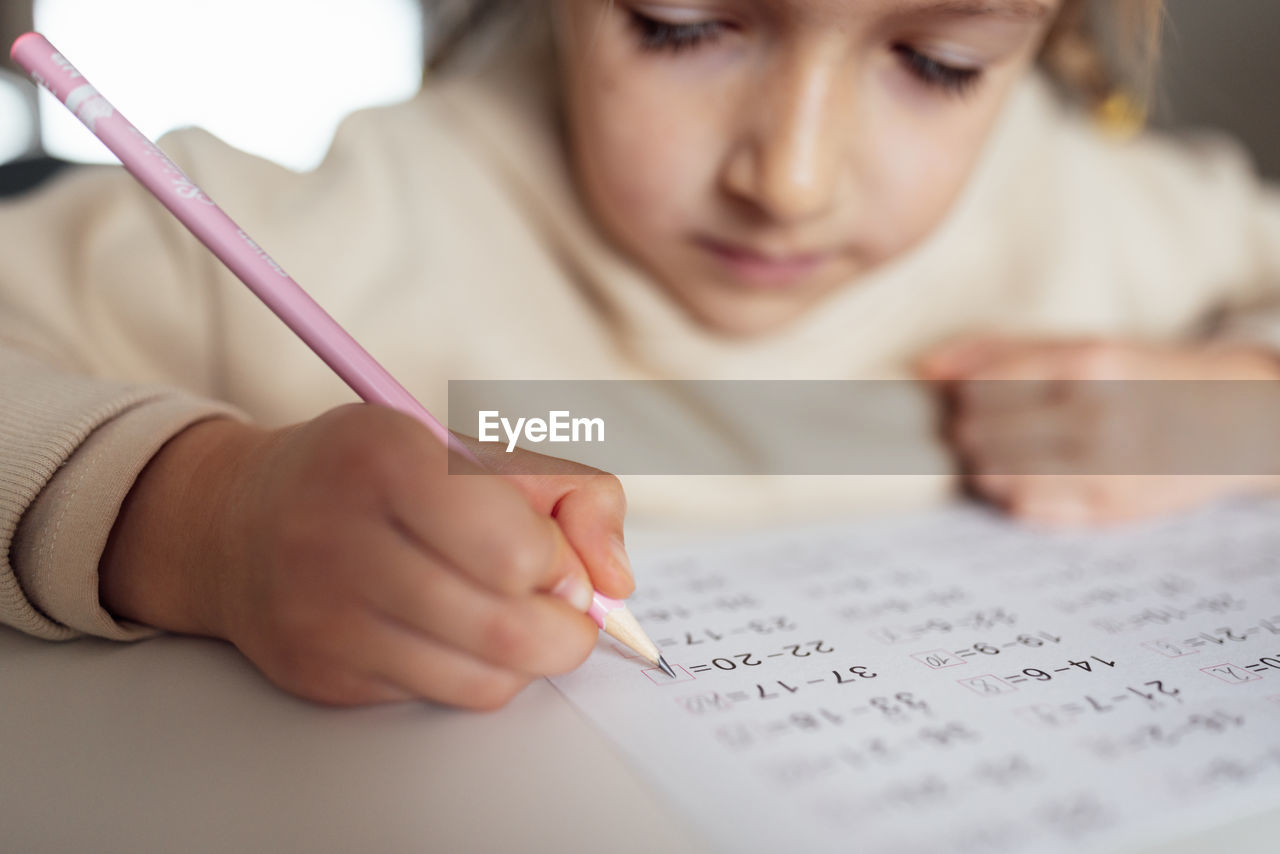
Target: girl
(603,189)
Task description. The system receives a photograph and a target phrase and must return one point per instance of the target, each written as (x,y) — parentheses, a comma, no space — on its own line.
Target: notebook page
(953,682)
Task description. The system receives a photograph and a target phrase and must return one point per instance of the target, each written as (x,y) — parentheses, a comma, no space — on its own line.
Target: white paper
(956,683)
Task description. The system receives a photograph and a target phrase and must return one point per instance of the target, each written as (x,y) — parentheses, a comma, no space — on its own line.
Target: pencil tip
(666,668)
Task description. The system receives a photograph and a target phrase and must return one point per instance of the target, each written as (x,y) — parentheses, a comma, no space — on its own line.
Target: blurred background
(276,76)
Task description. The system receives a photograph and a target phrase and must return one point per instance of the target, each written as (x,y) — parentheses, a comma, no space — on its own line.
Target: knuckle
(507,637)
(367,448)
(518,564)
(608,489)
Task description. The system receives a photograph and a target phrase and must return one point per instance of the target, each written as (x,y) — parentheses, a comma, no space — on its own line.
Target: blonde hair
(1095,49)
(1099,49)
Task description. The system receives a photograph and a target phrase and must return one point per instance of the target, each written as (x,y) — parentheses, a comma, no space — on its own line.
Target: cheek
(640,164)
(918,162)
(918,177)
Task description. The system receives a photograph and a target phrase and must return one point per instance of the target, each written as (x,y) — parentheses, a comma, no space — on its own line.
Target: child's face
(755,155)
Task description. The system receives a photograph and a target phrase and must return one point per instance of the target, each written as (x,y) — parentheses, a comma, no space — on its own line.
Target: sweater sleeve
(107,350)
(73,447)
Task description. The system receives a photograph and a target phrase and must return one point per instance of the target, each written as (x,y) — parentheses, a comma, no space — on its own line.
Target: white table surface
(178,745)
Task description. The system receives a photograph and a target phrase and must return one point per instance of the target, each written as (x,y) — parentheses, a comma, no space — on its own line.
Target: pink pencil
(267,279)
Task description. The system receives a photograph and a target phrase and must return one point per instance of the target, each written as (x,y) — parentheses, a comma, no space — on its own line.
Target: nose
(787,160)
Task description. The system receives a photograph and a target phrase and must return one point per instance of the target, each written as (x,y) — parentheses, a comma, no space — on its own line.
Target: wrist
(166,560)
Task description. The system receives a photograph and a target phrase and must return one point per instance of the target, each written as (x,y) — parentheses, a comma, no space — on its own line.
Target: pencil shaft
(236,249)
(621,625)
(212,227)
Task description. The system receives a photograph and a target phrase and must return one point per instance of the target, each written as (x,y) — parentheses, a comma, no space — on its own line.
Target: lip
(765,269)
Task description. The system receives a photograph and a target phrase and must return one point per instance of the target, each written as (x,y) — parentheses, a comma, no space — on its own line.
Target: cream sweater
(444,233)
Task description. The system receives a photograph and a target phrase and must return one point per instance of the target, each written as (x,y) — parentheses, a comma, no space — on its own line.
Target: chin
(747,316)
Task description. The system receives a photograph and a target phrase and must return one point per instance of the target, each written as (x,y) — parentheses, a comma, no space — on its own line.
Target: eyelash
(948,79)
(658,36)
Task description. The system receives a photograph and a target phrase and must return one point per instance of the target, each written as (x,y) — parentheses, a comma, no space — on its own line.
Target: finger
(1054,501)
(1046,501)
(535,634)
(995,488)
(1111,499)
(1032,440)
(332,672)
(590,510)
(482,525)
(339,686)
(1001,397)
(961,357)
(1022,376)
(381,692)
(1027,374)
(424,668)
(1078,360)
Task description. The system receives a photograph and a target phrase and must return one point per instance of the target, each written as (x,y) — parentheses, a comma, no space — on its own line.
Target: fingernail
(576,590)
(620,558)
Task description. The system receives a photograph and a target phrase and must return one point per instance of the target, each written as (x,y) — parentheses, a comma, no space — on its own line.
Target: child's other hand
(347,563)
(1052,429)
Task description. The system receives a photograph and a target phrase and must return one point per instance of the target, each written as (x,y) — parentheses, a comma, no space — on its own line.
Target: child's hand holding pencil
(347,557)
(347,563)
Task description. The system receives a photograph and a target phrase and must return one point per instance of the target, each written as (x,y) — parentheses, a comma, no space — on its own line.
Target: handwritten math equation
(894,680)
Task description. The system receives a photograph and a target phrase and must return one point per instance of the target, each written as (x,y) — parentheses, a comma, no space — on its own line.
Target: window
(273,77)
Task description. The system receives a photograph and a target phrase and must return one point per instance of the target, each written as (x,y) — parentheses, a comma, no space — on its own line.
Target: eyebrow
(1022,10)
